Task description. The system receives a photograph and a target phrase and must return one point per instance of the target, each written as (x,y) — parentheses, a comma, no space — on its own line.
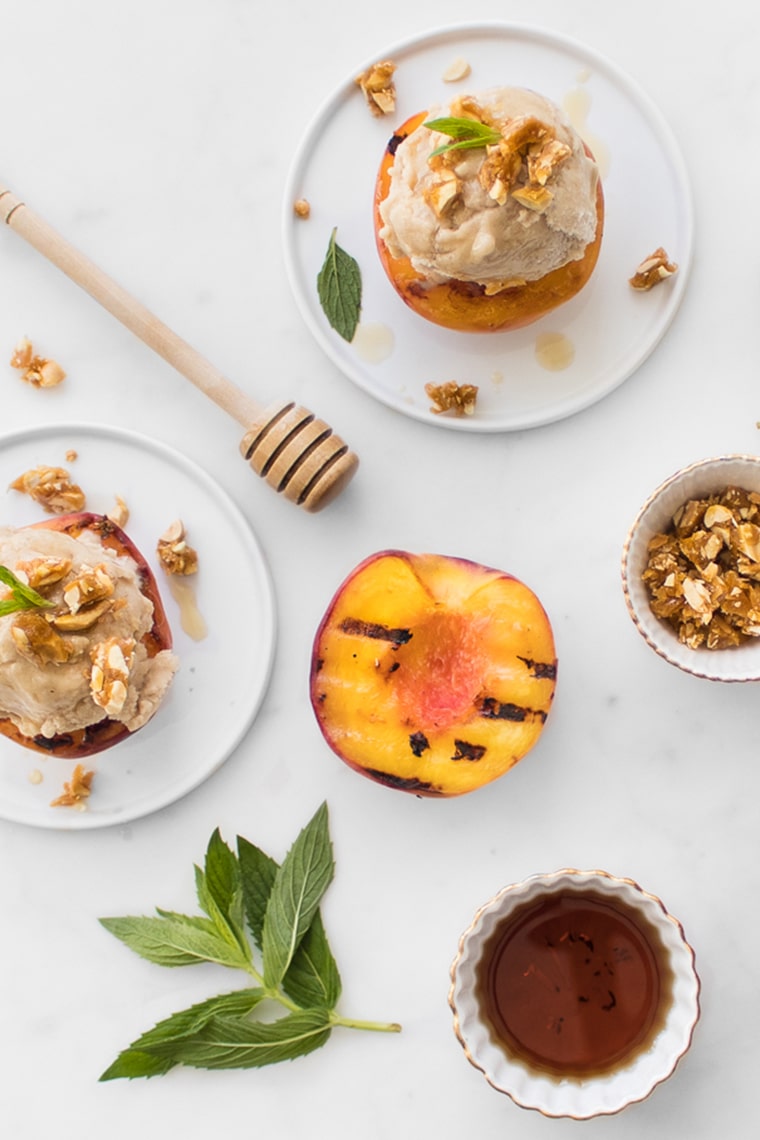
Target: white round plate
(218,688)
(612,328)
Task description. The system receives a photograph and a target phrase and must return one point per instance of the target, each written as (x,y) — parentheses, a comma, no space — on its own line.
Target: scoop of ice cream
(502,214)
(46,676)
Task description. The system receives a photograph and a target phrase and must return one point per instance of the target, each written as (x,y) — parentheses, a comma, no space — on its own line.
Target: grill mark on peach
(358,628)
(404,784)
(466,751)
(395,141)
(541,670)
(492,709)
(418,743)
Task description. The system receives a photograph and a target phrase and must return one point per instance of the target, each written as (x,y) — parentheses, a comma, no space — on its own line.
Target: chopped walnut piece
(459,398)
(71,455)
(36,370)
(174,551)
(52,488)
(458,69)
(703,574)
(76,790)
(653,270)
(109,676)
(378,87)
(301,208)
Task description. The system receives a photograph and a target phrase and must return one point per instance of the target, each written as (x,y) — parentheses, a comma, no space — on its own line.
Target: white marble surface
(157,136)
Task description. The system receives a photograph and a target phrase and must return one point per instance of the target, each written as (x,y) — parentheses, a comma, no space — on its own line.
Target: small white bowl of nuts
(691,569)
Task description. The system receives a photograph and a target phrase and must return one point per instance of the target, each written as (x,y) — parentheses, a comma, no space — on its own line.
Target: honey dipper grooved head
(299,456)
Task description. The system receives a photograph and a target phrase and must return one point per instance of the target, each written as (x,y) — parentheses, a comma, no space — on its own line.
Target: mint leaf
(174,941)
(235,1043)
(220,893)
(22,597)
(312,979)
(222,874)
(281,907)
(138,1061)
(467,133)
(132,1063)
(339,287)
(257,873)
(299,884)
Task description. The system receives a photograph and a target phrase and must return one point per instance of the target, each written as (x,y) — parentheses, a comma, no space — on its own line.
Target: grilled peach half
(464,305)
(105,733)
(432,674)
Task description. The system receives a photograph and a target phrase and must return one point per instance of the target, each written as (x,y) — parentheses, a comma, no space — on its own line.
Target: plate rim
(656,121)
(90,821)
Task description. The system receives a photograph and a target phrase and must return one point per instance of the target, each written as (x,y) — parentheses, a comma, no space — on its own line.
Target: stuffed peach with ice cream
(489,212)
(85,647)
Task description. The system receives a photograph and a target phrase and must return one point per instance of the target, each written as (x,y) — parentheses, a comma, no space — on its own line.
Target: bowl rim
(574,1097)
(656,633)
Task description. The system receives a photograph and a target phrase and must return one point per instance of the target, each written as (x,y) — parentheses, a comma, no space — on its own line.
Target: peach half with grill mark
(432,674)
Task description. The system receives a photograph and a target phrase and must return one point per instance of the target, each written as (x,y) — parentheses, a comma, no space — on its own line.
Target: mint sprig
(264,919)
(468,134)
(21,597)
(339,287)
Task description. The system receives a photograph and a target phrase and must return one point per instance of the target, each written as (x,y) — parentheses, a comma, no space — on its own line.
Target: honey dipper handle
(134,316)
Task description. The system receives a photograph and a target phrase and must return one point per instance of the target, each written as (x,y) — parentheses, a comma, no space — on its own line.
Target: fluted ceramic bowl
(740,663)
(590,1095)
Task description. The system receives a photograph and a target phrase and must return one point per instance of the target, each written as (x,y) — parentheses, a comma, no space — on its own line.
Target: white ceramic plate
(217,690)
(612,328)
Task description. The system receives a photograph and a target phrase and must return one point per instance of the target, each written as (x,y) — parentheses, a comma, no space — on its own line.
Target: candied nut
(52,488)
(71,455)
(378,87)
(443,193)
(703,575)
(36,370)
(653,270)
(717,514)
(119,514)
(109,676)
(174,551)
(92,584)
(301,208)
(47,374)
(36,640)
(86,618)
(459,398)
(533,197)
(22,354)
(42,572)
(544,157)
(522,162)
(76,790)
(458,69)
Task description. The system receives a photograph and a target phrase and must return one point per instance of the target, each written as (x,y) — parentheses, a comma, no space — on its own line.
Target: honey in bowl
(574,984)
(575,992)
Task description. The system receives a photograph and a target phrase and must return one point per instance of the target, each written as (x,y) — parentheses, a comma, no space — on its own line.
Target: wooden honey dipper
(295,453)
